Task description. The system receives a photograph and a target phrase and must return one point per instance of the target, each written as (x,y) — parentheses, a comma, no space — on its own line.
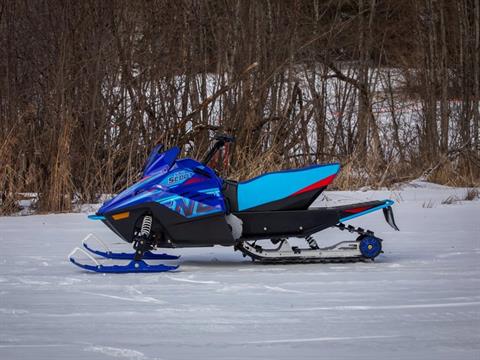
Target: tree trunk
(444,105)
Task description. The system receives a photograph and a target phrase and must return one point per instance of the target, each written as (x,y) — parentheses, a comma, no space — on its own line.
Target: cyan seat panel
(278,185)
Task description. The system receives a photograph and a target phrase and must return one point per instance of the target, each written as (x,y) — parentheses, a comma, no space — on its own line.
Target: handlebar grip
(225,138)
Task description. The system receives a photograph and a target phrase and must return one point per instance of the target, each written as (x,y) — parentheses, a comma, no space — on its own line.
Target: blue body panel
(173,184)
(278,185)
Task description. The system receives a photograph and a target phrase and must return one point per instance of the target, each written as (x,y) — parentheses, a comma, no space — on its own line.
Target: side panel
(275,186)
(191,190)
(125,226)
(205,230)
(193,204)
(296,223)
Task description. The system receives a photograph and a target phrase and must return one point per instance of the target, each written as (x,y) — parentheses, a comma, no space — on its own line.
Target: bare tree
(389,88)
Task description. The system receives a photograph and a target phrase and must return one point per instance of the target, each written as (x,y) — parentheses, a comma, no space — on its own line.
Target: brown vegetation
(389,88)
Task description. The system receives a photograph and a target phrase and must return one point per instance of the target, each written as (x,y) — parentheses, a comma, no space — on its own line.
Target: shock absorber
(142,242)
(146,226)
(311,241)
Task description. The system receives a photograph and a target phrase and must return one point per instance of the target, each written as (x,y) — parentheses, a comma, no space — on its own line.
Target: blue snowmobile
(184,203)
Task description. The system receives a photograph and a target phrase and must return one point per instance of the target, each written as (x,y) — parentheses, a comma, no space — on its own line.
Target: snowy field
(419,300)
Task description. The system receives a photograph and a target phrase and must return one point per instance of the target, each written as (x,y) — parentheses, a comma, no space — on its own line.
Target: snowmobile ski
(108,254)
(134,266)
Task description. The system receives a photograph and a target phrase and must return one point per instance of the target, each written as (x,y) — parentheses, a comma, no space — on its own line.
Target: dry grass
(351,177)
(428,204)
(58,193)
(450,200)
(8,176)
(472,194)
(451,173)
(255,165)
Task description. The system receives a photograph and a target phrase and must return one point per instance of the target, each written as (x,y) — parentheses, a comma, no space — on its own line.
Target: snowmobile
(184,203)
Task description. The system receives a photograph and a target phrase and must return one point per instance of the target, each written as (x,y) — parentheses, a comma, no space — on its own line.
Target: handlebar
(221,140)
(225,138)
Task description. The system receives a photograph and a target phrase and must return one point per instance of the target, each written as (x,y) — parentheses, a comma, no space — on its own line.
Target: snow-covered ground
(420,300)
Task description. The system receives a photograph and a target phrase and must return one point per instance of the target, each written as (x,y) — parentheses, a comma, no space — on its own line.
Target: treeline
(389,88)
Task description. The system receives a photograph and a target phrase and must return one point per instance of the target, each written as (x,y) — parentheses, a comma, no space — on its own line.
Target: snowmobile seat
(281,190)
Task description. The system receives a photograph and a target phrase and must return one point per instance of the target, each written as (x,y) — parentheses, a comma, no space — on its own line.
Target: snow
(420,300)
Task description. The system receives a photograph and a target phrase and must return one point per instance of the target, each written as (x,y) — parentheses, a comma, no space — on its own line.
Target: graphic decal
(357,210)
(177,178)
(192,208)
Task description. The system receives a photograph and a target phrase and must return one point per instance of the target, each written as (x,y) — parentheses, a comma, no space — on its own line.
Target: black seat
(230,194)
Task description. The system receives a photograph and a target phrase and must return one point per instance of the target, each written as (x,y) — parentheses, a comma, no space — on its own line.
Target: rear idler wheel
(370,246)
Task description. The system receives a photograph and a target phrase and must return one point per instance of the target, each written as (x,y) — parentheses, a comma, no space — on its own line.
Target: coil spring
(146,225)
(311,241)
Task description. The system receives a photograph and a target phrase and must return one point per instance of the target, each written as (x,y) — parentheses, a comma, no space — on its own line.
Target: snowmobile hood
(157,167)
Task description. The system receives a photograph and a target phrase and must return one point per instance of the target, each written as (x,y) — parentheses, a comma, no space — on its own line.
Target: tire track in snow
(388,307)
(142,299)
(280,289)
(32,346)
(117,352)
(191,281)
(320,339)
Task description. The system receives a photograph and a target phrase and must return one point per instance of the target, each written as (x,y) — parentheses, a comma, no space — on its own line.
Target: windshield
(160,161)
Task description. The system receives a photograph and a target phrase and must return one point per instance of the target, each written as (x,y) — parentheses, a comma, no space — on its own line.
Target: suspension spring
(311,241)
(146,225)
